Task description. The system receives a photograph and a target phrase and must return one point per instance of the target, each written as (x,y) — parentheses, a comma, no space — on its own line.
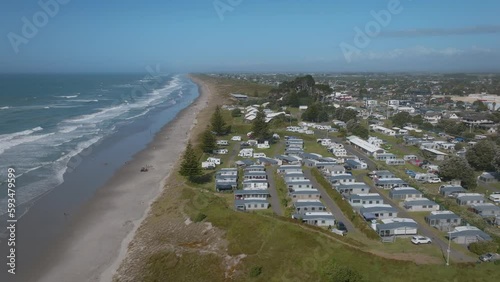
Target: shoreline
(97,242)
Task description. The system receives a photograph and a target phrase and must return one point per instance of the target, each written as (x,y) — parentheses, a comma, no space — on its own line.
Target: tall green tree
(401,118)
(481,156)
(190,165)
(458,168)
(218,124)
(480,106)
(260,127)
(208,141)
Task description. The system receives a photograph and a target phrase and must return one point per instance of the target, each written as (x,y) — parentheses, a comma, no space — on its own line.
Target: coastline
(97,242)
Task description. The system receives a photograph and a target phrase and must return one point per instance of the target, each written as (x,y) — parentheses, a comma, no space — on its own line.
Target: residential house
(437,155)
(486,209)
(304,184)
(467,199)
(255,184)
(303,206)
(337,169)
(363,145)
(488,177)
(251,204)
(449,190)
(404,193)
(397,226)
(422,204)
(304,194)
(342,178)
(443,220)
(352,188)
(356,164)
(255,175)
(466,235)
(359,200)
(378,212)
(294,176)
(251,194)
(384,174)
(388,183)
(254,168)
(289,168)
(324,219)
(385,156)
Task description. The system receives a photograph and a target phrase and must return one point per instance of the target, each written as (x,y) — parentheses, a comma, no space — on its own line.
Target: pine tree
(190,165)
(208,141)
(260,127)
(218,123)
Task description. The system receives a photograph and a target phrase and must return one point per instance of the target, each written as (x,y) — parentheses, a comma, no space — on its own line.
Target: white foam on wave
(4,108)
(7,137)
(68,96)
(23,139)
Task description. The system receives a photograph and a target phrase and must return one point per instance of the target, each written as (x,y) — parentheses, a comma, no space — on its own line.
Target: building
(239,97)
(303,206)
(304,194)
(384,174)
(486,209)
(359,200)
(255,175)
(437,155)
(390,183)
(352,188)
(356,164)
(289,168)
(251,194)
(366,147)
(374,212)
(443,220)
(405,193)
(397,226)
(449,190)
(488,177)
(255,184)
(385,156)
(299,184)
(466,235)
(422,204)
(342,179)
(294,176)
(467,199)
(324,219)
(251,204)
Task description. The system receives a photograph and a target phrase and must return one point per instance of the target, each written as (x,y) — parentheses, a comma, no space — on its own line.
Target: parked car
(433,180)
(489,257)
(341,226)
(417,240)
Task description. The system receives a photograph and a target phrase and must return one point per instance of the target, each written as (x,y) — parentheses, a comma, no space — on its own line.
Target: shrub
(199,217)
(255,271)
(483,247)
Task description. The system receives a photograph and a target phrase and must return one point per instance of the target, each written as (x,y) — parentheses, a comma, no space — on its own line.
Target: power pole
(449,246)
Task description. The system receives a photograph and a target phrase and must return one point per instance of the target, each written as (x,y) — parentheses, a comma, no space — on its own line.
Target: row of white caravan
(211,163)
(255,189)
(298,129)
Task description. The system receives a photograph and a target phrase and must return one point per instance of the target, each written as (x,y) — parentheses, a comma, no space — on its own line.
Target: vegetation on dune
(190,165)
(219,125)
(260,127)
(458,168)
(208,141)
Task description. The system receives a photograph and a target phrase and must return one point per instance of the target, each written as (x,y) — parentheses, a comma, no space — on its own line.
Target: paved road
(275,200)
(330,204)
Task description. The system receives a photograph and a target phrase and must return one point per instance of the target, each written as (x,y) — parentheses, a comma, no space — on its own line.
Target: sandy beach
(97,242)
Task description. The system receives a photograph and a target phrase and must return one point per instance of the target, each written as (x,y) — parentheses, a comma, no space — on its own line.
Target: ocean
(49,122)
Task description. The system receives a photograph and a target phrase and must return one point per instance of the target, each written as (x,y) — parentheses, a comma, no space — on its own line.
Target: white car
(236,138)
(417,240)
(434,180)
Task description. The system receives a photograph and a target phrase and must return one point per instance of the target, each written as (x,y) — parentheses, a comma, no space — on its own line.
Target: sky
(249,35)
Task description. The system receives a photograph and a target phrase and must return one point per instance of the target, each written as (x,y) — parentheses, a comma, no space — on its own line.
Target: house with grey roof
(443,220)
(466,235)
(486,209)
(404,193)
(388,183)
(355,164)
(294,176)
(299,184)
(255,175)
(371,212)
(324,219)
(251,194)
(255,184)
(449,190)
(352,188)
(251,204)
(384,174)
(342,178)
(385,156)
(311,156)
(467,199)
(267,161)
(397,226)
(421,204)
(304,194)
(289,168)
(288,160)
(337,169)
(254,168)
(303,206)
(359,200)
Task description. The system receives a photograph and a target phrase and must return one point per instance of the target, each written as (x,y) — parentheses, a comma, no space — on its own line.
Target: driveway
(275,200)
(330,204)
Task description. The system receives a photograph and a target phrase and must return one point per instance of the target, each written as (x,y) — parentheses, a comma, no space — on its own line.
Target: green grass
(283,194)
